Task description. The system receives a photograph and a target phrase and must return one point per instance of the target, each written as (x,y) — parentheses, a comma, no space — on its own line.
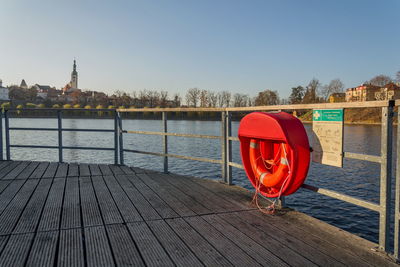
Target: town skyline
(213,46)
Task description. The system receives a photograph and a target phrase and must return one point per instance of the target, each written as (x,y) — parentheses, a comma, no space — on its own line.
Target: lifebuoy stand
(275,152)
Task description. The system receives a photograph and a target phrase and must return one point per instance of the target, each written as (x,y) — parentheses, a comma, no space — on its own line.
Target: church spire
(74,77)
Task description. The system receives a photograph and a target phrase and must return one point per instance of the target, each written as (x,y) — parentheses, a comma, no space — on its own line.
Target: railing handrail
(366,104)
(61,109)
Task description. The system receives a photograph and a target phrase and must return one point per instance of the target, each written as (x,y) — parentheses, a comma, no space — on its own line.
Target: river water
(356,178)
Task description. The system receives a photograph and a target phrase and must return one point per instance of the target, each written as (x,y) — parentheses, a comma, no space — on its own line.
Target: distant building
(4,93)
(391,91)
(23,84)
(72,86)
(45,91)
(364,92)
(337,97)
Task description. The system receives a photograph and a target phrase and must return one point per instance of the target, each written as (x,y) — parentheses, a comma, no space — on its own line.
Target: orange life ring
(278,169)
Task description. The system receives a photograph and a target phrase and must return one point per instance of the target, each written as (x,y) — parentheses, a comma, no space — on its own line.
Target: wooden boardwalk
(104,215)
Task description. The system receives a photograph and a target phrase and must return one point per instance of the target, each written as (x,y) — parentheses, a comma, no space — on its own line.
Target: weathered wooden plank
(10,167)
(17,170)
(94,169)
(125,251)
(16,250)
(62,170)
(29,219)
(128,211)
(151,250)
(4,163)
(158,204)
(43,250)
(98,251)
(26,173)
(90,209)
(177,250)
(51,214)
(184,197)
(228,249)
(127,170)
(177,205)
(73,170)
(108,208)
(11,214)
(290,241)
(252,248)
(208,255)
(71,213)
(290,256)
(84,169)
(116,170)
(9,192)
(51,170)
(70,251)
(204,195)
(3,242)
(138,170)
(39,171)
(4,184)
(105,169)
(141,204)
(317,242)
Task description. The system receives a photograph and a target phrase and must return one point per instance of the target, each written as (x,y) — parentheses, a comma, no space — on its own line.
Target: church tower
(74,77)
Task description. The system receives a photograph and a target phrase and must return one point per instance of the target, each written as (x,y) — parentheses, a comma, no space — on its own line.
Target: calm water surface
(357,178)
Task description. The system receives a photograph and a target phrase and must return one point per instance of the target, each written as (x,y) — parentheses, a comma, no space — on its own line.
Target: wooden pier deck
(55,214)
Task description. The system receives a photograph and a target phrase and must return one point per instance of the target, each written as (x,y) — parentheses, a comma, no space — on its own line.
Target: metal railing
(226,138)
(59,129)
(226,161)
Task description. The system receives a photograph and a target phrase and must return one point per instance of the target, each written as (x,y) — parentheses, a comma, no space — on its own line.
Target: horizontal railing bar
(86,130)
(233,138)
(343,197)
(33,146)
(64,147)
(88,148)
(236,165)
(55,129)
(32,129)
(175,134)
(59,109)
(371,158)
(365,104)
(173,156)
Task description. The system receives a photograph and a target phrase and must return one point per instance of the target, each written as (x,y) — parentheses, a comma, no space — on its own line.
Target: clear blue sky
(241,46)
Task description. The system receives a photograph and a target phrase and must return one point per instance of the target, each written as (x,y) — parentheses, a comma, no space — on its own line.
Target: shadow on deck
(103,215)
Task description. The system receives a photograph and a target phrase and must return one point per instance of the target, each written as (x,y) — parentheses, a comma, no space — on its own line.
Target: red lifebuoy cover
(273,132)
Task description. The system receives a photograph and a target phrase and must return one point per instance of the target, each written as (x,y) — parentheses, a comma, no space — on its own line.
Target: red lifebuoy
(275,152)
(265,174)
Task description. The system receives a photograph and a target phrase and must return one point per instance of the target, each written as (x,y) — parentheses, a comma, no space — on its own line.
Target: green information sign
(328,115)
(328,136)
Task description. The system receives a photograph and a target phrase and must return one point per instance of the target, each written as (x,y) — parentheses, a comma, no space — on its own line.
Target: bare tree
(153,97)
(177,100)
(335,86)
(192,97)
(203,98)
(212,99)
(240,100)
(143,98)
(297,95)
(380,80)
(267,97)
(163,99)
(224,99)
(398,76)
(311,95)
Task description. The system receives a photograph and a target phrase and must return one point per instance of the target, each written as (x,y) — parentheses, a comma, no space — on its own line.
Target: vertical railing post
(60,143)
(115,137)
(386,175)
(121,140)
(7,126)
(228,132)
(165,141)
(223,146)
(397,196)
(1,135)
